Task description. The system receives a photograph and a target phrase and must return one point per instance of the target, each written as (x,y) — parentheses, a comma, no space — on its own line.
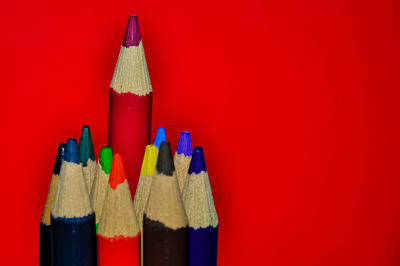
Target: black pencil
(165,224)
(45,222)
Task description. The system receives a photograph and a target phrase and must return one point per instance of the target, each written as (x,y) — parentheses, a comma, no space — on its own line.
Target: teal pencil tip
(86,150)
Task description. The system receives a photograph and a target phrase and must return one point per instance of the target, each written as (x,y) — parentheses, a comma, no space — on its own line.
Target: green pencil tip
(86,150)
(97,227)
(105,159)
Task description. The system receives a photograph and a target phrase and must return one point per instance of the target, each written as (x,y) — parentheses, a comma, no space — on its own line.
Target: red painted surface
(118,251)
(129,130)
(296,104)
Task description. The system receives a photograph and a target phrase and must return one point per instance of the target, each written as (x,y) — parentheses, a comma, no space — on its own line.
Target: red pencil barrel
(129,130)
(118,251)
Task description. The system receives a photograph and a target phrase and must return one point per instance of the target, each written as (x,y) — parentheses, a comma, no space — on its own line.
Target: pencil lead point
(184,144)
(71,151)
(160,137)
(59,158)
(132,34)
(165,162)
(86,150)
(105,159)
(198,163)
(149,161)
(117,174)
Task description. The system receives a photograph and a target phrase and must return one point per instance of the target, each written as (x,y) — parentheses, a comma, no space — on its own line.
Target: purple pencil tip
(132,34)
(184,144)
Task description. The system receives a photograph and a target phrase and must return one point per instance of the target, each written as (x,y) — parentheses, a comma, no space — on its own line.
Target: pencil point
(149,161)
(86,150)
(71,151)
(105,159)
(160,137)
(184,144)
(197,164)
(59,158)
(165,162)
(132,34)
(117,174)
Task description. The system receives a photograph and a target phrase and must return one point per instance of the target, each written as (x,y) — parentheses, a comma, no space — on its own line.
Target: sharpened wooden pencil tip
(160,137)
(117,174)
(59,158)
(86,150)
(71,151)
(165,162)
(198,163)
(132,34)
(105,159)
(184,144)
(149,161)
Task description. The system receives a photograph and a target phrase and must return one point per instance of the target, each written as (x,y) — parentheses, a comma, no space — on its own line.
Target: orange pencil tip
(117,174)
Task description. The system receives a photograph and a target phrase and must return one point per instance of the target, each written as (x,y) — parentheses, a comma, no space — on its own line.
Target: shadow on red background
(296,105)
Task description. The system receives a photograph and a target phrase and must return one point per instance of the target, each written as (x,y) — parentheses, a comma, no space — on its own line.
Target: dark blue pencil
(72,216)
(202,216)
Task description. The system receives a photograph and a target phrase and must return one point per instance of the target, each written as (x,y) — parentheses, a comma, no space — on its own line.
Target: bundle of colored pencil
(89,217)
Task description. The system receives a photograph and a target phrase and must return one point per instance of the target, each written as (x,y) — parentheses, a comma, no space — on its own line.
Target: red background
(295,102)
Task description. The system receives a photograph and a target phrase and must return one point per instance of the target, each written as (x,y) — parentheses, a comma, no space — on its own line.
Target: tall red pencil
(130,103)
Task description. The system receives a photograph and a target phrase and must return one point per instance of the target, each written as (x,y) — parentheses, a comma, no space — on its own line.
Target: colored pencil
(144,184)
(143,187)
(130,103)
(72,216)
(202,216)
(86,154)
(165,231)
(45,223)
(160,137)
(182,157)
(118,237)
(100,183)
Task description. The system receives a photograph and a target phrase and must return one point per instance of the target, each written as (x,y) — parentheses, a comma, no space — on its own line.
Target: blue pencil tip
(160,137)
(184,144)
(197,164)
(71,151)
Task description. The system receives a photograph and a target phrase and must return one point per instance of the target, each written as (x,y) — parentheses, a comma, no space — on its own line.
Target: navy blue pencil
(72,216)
(201,213)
